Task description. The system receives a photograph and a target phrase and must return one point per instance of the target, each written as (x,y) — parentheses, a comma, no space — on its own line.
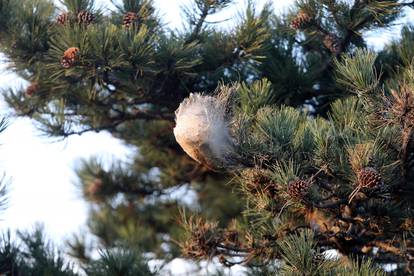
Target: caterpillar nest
(202,130)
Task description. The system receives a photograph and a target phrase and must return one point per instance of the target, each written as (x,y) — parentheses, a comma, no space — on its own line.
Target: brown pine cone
(70,57)
(298,189)
(62,18)
(130,18)
(32,89)
(85,17)
(368,178)
(301,21)
(332,42)
(94,187)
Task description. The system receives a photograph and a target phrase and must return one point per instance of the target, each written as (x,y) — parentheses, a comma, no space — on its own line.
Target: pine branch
(199,24)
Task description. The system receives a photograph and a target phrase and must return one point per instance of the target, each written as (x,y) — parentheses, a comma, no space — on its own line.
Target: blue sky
(42,170)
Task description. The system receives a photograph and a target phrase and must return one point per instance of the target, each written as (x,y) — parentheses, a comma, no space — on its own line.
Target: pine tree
(135,61)
(31,253)
(317,130)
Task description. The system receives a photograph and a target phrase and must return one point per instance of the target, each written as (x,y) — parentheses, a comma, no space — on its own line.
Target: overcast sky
(42,171)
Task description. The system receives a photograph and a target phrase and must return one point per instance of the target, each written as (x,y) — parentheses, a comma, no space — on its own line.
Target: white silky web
(202,130)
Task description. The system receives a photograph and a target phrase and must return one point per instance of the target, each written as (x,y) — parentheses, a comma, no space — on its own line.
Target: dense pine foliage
(322,131)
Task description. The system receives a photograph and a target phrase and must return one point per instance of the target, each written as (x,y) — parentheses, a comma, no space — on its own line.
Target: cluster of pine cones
(368,179)
(304,20)
(87,18)
(82,18)
(71,55)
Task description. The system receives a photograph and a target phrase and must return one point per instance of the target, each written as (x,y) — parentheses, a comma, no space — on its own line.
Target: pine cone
(94,188)
(129,19)
(301,21)
(298,189)
(85,17)
(32,89)
(369,178)
(70,57)
(332,42)
(62,18)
